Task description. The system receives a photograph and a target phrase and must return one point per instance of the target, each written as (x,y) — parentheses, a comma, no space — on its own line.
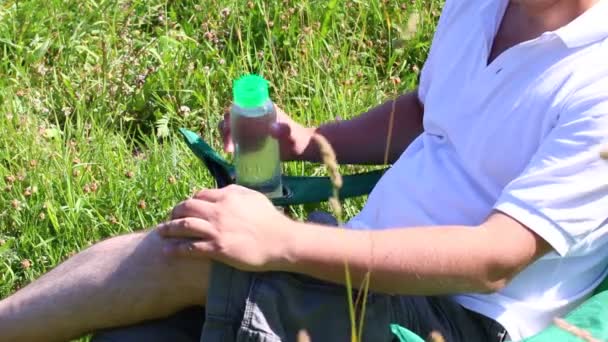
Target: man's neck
(550,15)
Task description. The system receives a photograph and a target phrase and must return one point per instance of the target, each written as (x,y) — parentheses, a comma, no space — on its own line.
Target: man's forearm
(412,261)
(365,138)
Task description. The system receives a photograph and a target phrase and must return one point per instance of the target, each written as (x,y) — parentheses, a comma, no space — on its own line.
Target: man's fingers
(224,127)
(191,228)
(189,249)
(193,208)
(280,130)
(227,137)
(210,195)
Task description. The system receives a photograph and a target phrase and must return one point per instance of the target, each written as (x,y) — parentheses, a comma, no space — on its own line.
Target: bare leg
(120,281)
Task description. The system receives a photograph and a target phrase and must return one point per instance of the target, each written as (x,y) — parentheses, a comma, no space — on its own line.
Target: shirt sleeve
(562,195)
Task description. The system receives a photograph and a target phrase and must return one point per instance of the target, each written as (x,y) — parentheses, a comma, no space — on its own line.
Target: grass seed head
(303,336)
(172,180)
(10,179)
(129,174)
(16,204)
(336,207)
(41,216)
(329,159)
(436,337)
(112,219)
(142,204)
(184,111)
(26,263)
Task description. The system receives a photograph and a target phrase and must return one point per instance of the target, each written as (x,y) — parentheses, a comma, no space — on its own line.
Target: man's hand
(233,225)
(293,138)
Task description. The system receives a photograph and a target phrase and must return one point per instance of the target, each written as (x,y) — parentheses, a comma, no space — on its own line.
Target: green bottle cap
(250,91)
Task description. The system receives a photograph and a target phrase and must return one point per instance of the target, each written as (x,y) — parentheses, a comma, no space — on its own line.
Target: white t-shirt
(522,136)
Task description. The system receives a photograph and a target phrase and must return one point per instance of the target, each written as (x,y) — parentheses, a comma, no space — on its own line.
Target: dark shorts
(272,307)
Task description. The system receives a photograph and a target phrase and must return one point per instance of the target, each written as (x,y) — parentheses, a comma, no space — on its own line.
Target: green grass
(92,93)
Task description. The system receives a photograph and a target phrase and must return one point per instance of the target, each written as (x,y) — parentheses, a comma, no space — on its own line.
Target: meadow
(92,94)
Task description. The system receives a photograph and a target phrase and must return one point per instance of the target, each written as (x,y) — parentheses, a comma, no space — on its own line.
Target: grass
(92,94)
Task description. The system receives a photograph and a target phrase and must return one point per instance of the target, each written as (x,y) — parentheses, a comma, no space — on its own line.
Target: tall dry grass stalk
(328,156)
(303,336)
(574,330)
(436,337)
(389,135)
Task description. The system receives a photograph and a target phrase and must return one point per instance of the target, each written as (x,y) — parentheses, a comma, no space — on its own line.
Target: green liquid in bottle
(257,158)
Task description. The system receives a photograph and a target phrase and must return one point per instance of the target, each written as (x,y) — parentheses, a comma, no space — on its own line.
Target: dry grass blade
(303,336)
(436,337)
(365,288)
(336,207)
(389,136)
(574,330)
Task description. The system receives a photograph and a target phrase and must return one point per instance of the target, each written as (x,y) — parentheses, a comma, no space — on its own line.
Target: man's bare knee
(180,280)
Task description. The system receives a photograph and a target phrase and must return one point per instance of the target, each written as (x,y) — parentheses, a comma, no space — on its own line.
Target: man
(491,218)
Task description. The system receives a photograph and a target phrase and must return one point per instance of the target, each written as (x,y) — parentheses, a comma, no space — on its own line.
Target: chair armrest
(296,190)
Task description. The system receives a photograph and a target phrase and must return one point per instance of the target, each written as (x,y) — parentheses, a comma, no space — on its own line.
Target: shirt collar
(491,13)
(588,28)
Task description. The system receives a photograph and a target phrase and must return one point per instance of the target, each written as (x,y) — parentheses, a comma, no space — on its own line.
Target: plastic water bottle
(257,157)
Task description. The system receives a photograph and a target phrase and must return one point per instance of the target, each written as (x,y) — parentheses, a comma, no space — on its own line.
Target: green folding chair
(591,316)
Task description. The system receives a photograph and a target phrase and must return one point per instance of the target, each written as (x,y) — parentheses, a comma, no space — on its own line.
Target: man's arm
(418,261)
(364,139)
(240,227)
